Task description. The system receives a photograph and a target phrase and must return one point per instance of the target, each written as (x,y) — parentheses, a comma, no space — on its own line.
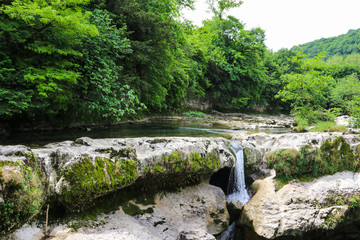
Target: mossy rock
(87,180)
(252,160)
(23,192)
(309,163)
(178,162)
(177,170)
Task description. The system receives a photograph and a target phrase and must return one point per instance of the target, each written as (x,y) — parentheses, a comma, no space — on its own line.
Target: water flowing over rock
(297,210)
(237,192)
(256,146)
(236,187)
(302,210)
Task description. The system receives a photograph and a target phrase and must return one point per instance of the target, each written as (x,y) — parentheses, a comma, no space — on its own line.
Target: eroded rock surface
(195,212)
(77,173)
(85,169)
(301,208)
(256,146)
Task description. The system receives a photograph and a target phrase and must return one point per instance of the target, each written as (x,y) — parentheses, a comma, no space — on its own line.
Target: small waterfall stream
(236,187)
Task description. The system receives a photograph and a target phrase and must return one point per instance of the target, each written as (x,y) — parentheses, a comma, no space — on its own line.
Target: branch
(37,32)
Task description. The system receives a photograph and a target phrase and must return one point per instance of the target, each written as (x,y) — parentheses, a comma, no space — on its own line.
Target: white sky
(290,22)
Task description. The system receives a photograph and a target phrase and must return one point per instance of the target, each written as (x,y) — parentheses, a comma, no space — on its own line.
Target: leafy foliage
(38,38)
(354,108)
(102,90)
(344,44)
(194,114)
(328,127)
(90,61)
(235,69)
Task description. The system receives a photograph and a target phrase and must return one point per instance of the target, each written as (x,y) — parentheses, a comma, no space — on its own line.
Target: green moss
(252,160)
(132,209)
(308,163)
(129,153)
(89,180)
(333,219)
(285,162)
(195,163)
(156,141)
(157,168)
(23,190)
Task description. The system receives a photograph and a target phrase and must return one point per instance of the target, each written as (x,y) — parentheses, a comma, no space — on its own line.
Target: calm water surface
(154,128)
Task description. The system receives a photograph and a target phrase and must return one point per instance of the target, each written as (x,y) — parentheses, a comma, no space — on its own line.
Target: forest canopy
(342,45)
(96,61)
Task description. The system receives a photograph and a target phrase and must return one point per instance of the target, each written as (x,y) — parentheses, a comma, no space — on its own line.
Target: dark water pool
(154,128)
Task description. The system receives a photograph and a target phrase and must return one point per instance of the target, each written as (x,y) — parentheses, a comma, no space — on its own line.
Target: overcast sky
(291,22)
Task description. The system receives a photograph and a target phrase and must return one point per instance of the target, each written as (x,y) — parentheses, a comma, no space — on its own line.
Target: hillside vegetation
(342,45)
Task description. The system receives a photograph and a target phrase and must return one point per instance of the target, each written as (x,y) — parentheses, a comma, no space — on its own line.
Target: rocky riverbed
(158,188)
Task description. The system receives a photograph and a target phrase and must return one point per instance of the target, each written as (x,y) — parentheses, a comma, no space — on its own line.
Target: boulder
(302,209)
(76,173)
(234,207)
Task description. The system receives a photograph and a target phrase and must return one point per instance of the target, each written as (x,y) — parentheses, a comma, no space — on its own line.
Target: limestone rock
(301,208)
(256,146)
(80,171)
(195,212)
(234,207)
(196,234)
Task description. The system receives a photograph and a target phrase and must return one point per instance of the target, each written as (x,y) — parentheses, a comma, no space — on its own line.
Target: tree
(235,71)
(38,39)
(344,91)
(157,67)
(308,91)
(219,7)
(101,90)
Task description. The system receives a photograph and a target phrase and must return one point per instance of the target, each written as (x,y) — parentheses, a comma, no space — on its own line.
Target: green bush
(354,108)
(194,114)
(307,115)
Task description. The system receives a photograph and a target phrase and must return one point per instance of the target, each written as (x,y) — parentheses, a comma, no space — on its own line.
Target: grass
(328,127)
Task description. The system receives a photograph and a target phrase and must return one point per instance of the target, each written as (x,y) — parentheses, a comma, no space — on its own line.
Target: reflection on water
(154,128)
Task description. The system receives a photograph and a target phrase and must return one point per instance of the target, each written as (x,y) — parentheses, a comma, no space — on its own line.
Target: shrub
(194,114)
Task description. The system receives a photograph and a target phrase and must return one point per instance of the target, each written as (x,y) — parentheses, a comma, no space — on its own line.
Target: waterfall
(236,187)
